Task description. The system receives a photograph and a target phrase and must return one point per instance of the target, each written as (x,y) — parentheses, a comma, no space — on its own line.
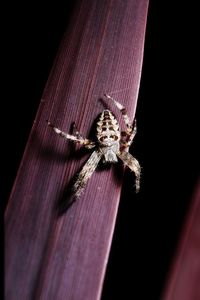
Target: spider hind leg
(86,173)
(134,165)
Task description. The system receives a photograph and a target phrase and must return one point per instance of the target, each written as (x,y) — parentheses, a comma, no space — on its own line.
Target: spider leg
(124,113)
(133,164)
(127,138)
(76,131)
(85,142)
(86,173)
(129,134)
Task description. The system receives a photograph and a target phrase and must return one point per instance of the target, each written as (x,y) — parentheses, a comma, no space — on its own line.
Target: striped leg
(86,173)
(128,137)
(77,139)
(76,132)
(129,134)
(134,165)
(123,111)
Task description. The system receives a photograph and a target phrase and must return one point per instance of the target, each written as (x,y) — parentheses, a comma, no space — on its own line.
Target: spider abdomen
(107,128)
(108,135)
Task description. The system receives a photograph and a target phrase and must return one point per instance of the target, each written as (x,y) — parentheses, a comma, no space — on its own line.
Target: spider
(110,145)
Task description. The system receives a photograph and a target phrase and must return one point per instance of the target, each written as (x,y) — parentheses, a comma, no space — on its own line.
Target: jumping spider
(110,145)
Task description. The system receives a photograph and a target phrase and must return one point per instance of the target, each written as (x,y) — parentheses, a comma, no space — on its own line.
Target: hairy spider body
(110,145)
(108,136)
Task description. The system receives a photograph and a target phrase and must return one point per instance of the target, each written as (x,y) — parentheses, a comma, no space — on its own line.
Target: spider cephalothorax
(110,145)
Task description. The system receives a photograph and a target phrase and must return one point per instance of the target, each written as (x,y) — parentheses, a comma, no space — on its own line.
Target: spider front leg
(123,111)
(127,137)
(77,139)
(76,131)
(129,134)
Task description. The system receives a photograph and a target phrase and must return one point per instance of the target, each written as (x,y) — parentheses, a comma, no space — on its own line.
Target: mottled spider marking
(110,145)
(108,136)
(107,128)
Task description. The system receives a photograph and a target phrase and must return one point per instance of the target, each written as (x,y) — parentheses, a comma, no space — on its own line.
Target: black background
(149,224)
